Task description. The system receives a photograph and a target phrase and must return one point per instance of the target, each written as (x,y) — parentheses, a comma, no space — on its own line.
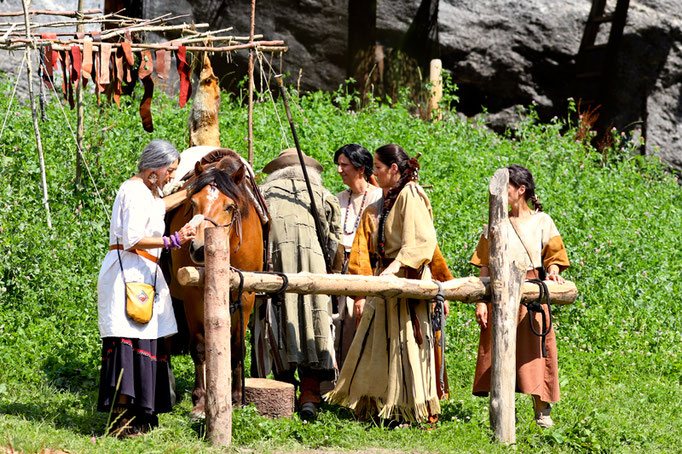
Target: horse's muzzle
(196,253)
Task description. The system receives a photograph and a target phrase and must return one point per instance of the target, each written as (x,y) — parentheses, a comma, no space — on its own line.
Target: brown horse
(219,191)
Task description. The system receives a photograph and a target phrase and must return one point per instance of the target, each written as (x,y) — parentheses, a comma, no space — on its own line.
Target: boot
(123,423)
(542,417)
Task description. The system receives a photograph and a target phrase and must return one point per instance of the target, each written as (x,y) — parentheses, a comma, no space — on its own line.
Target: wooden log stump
(272,398)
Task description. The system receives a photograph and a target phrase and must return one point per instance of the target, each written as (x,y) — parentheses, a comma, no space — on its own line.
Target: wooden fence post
(217,332)
(506,279)
(436,79)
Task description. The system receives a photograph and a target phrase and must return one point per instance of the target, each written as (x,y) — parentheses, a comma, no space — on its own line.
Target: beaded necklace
(357,220)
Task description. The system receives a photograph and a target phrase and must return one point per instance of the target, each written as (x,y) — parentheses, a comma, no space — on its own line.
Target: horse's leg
(194,311)
(236,344)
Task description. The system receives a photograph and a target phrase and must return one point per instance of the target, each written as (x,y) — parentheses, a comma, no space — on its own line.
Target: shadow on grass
(61,415)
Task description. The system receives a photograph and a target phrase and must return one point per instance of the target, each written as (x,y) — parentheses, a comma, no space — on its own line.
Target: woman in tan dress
(390,368)
(535,240)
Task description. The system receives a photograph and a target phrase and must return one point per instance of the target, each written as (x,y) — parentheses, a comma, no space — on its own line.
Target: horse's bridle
(236,219)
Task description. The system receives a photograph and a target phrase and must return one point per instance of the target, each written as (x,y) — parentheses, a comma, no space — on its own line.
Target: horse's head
(216,193)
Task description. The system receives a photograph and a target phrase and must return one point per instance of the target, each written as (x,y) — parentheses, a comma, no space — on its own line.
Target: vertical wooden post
(36,128)
(79,107)
(436,80)
(506,279)
(217,332)
(251,82)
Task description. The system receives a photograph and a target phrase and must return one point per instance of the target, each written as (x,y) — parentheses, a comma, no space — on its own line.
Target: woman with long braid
(390,368)
(535,240)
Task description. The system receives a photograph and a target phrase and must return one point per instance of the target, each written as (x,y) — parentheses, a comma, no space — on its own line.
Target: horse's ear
(198,169)
(238,175)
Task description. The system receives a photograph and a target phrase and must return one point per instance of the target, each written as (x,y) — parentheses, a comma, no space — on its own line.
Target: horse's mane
(222,163)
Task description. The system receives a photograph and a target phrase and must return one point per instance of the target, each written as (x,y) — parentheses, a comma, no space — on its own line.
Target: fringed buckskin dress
(387,372)
(535,375)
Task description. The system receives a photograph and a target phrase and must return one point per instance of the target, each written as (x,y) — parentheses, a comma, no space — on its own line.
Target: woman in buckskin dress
(390,368)
(535,239)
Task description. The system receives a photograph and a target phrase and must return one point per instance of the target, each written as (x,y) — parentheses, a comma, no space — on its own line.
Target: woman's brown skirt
(534,374)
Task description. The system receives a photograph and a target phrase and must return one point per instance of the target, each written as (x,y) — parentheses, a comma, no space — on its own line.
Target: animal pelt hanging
(203,118)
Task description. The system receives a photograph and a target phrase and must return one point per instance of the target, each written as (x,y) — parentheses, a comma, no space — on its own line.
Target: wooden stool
(274,399)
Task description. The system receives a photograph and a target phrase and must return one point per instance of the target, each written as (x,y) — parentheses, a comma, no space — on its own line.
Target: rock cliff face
(501,53)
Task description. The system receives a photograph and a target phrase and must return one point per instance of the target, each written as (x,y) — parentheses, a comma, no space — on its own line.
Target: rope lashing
(438,311)
(536,306)
(438,324)
(285,282)
(239,305)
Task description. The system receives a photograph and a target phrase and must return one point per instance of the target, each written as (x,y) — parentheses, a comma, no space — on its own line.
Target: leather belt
(375,261)
(140,252)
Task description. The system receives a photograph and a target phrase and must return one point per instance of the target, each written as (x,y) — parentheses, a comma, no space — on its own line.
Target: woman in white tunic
(355,165)
(134,379)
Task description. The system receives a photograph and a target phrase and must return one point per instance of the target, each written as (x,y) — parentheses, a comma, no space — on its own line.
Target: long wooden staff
(313,206)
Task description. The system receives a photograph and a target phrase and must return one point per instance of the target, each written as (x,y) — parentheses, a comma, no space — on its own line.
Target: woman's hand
(553,275)
(482,314)
(186,233)
(446,308)
(359,306)
(392,268)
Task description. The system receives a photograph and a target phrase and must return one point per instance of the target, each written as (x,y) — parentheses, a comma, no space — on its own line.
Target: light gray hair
(157,154)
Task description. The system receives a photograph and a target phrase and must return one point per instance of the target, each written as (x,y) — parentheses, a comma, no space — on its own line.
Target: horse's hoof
(308,412)
(197,415)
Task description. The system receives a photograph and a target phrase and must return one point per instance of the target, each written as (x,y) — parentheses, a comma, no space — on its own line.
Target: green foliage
(619,214)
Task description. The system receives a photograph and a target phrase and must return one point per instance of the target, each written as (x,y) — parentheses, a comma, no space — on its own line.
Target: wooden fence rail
(465,290)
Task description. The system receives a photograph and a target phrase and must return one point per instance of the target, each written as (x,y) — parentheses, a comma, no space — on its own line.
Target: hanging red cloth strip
(63,57)
(145,75)
(118,80)
(105,59)
(163,61)
(67,85)
(129,59)
(86,68)
(81,78)
(184,73)
(51,60)
(76,67)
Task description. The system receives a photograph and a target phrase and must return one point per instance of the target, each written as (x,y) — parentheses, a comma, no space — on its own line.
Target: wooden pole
(251,82)
(506,278)
(48,12)
(36,128)
(436,79)
(79,111)
(217,332)
(269,46)
(465,290)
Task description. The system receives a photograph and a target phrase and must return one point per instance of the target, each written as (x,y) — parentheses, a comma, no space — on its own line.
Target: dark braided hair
(520,176)
(358,156)
(409,171)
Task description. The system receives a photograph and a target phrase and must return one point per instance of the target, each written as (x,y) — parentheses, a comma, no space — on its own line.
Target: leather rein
(236,221)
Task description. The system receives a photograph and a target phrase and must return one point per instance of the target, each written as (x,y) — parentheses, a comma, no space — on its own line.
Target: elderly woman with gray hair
(134,379)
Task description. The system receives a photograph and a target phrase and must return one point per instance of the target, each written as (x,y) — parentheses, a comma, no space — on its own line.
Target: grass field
(620,353)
